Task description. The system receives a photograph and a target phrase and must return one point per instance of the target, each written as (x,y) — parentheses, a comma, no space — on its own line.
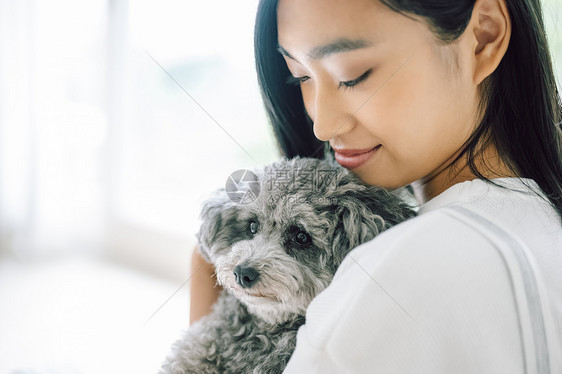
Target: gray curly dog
(273,253)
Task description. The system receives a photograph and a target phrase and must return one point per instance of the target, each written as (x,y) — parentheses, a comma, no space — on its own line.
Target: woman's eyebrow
(338,46)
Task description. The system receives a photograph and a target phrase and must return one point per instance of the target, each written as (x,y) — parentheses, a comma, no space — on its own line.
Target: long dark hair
(522,115)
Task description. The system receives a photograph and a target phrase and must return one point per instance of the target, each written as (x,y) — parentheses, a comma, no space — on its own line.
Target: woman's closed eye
(345,85)
(356,81)
(295,81)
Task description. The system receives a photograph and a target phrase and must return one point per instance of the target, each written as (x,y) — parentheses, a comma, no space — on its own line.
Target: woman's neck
(488,163)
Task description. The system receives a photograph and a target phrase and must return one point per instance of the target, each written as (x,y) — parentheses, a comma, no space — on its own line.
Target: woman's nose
(328,114)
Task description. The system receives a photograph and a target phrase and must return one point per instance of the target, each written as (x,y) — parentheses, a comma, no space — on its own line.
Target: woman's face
(370,76)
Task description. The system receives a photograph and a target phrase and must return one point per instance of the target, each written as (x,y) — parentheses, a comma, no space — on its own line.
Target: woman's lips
(352,158)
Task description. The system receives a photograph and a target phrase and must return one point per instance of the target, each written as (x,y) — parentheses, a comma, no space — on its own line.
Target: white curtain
(112,116)
(53,125)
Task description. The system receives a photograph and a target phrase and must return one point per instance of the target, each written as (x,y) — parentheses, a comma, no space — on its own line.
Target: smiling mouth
(353,152)
(354,158)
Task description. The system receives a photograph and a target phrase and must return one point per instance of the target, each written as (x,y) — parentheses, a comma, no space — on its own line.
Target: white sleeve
(430,296)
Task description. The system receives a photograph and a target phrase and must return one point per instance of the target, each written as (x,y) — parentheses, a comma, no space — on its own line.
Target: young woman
(457,99)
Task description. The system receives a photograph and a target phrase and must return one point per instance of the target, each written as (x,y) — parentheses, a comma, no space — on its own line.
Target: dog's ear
(211,216)
(362,213)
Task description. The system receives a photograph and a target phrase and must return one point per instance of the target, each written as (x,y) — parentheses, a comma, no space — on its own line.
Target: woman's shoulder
(409,289)
(443,232)
(431,239)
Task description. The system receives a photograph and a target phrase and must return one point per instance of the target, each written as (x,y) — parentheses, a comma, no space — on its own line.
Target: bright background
(117,119)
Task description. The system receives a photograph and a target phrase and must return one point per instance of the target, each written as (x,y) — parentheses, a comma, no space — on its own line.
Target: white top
(434,294)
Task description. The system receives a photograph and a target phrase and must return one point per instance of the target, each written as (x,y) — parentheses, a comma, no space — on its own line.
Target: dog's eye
(302,238)
(253,227)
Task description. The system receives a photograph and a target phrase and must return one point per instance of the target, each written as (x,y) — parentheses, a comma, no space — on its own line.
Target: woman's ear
(490,32)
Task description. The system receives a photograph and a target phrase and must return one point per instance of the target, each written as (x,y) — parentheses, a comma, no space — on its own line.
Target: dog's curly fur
(307,216)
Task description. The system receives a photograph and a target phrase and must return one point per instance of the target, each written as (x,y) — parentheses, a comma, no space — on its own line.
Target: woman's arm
(203,292)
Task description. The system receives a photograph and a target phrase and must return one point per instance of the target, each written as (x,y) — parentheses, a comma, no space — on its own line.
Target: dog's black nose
(245,276)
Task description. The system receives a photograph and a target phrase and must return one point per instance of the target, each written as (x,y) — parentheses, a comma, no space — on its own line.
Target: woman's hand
(203,291)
